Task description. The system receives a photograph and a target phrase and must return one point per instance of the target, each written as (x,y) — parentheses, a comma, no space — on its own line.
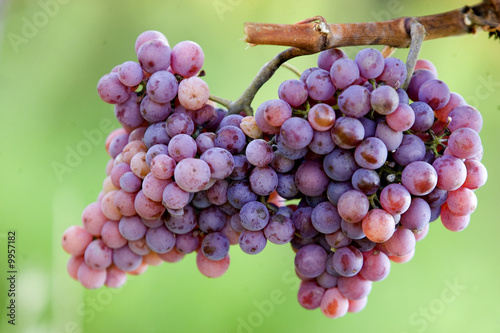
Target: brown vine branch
(316,35)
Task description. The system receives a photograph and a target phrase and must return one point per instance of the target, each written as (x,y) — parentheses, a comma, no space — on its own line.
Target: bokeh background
(52,54)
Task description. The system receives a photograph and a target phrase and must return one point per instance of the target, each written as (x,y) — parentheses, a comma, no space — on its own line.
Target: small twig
(417,39)
(242,104)
(292,68)
(388,51)
(222,101)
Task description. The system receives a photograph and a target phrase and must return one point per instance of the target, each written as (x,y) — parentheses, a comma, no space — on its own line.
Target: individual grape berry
(111,90)
(215,246)
(320,86)
(435,93)
(321,117)
(344,72)
(384,100)
(162,87)
(154,55)
(193,93)
(370,62)
(293,92)
(187,58)
(354,101)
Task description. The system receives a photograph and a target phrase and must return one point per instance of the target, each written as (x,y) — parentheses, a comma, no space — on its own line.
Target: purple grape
(156,134)
(241,169)
(376,266)
(215,246)
(125,259)
(325,218)
(394,73)
(181,224)
(132,227)
(154,55)
(179,123)
(254,215)
(294,92)
(354,101)
(347,261)
(154,112)
(322,143)
(335,189)
(302,220)
(310,260)
(239,193)
(280,229)
(366,181)
(220,161)
(205,141)
(370,62)
(160,240)
(117,144)
(371,153)
(187,243)
(287,188)
(111,90)
(162,86)
(344,72)
(347,132)
(252,242)
(424,116)
(340,164)
(211,219)
(263,181)
(130,73)
(412,149)
(187,58)
(217,193)
(326,58)
(230,138)
(417,216)
(280,163)
(97,255)
(384,100)
(320,86)
(182,146)
(352,230)
(296,133)
(259,153)
(354,287)
(311,179)
(231,120)
(417,79)
(435,93)
(128,113)
(159,149)
(391,138)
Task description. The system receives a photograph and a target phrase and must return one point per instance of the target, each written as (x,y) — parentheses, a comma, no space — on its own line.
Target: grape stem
(242,104)
(417,39)
(315,35)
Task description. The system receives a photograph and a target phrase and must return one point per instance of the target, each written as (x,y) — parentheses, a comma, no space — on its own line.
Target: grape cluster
(346,166)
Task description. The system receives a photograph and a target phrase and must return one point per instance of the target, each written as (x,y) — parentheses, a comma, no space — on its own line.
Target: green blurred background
(48,76)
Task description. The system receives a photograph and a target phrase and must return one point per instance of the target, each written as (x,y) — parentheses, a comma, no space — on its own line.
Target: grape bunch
(345,165)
